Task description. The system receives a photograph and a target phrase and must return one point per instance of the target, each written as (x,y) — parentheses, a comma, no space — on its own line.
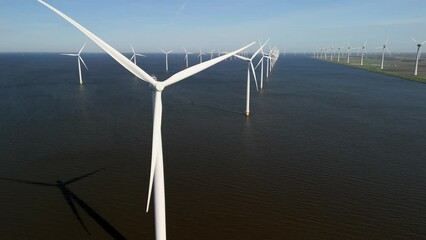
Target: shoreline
(419,79)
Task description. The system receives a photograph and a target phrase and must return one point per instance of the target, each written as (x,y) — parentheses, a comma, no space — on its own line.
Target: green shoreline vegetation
(396,66)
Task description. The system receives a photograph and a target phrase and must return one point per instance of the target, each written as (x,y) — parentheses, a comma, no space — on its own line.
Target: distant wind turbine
(201,55)
(135,54)
(264,56)
(250,66)
(157,170)
(186,56)
(338,53)
(419,45)
(385,48)
(349,53)
(363,52)
(211,54)
(167,57)
(79,60)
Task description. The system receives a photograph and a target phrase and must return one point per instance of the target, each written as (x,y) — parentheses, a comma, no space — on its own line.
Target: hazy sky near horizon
(292,25)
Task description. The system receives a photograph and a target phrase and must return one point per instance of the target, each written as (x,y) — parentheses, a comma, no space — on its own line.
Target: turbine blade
(126,63)
(423,43)
(81,50)
(260,61)
(83,62)
(417,42)
(163,51)
(83,176)
(241,57)
(254,75)
(28,182)
(388,51)
(156,144)
(67,195)
(170,51)
(69,54)
(132,57)
(200,67)
(140,55)
(133,50)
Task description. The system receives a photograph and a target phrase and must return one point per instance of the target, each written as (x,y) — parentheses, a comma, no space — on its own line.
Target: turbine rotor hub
(159,86)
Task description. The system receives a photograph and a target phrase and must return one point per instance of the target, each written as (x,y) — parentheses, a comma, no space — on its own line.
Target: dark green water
(329,153)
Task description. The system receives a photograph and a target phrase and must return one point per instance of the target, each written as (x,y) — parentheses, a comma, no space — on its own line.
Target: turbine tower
(79,60)
(419,45)
(167,58)
(157,170)
(135,54)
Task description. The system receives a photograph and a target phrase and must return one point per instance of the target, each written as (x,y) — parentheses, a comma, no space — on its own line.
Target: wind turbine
(157,170)
(250,66)
(135,54)
(338,53)
(363,51)
(349,53)
(201,55)
(385,48)
(211,54)
(186,56)
(167,57)
(79,60)
(261,62)
(419,45)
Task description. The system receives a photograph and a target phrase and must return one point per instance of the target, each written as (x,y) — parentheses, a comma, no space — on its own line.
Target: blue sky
(292,25)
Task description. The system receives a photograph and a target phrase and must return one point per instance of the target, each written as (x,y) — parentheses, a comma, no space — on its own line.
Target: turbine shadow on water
(71,198)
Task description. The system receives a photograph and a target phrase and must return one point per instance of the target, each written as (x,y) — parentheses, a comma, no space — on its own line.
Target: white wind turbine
(79,60)
(338,53)
(261,62)
(363,52)
(201,55)
(186,56)
(211,54)
(269,58)
(419,45)
(349,53)
(385,48)
(167,57)
(135,54)
(250,65)
(157,171)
